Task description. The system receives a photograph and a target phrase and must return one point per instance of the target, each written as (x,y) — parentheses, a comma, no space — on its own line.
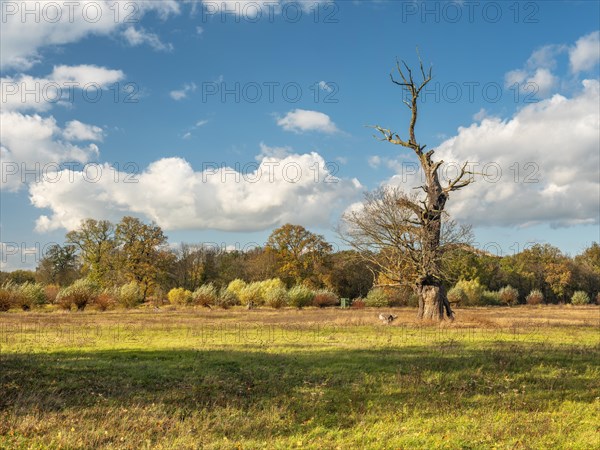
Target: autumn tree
(59,265)
(298,252)
(421,218)
(143,256)
(95,240)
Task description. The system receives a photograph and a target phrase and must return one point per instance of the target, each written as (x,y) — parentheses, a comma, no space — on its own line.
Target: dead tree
(423,216)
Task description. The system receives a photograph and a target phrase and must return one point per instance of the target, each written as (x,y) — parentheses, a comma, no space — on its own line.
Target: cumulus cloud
(296,188)
(59,23)
(300,120)
(30,144)
(26,93)
(541,164)
(585,54)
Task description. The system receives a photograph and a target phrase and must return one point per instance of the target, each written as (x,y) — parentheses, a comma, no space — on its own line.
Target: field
(522,377)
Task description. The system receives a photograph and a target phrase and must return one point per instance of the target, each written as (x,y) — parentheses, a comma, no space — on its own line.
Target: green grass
(495,378)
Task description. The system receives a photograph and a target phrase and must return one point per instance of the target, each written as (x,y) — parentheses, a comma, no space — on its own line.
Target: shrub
(358,303)
(457,295)
(377,298)
(473,291)
(180,296)
(236,286)
(205,295)
(535,297)
(491,298)
(131,295)
(325,298)
(51,291)
(509,295)
(5,299)
(251,294)
(227,299)
(268,285)
(580,298)
(300,296)
(81,293)
(276,297)
(33,293)
(106,300)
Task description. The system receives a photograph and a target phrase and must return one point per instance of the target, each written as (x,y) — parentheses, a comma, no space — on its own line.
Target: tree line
(135,253)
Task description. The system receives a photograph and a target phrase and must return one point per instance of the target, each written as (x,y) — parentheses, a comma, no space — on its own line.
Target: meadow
(178,378)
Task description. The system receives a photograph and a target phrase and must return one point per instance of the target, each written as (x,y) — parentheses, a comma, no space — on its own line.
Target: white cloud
(257,9)
(135,37)
(31,145)
(59,23)
(181,94)
(542,164)
(270,192)
(26,93)
(300,120)
(585,55)
(374,161)
(77,131)
(201,123)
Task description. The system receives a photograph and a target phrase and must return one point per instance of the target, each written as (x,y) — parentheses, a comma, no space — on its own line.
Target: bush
(457,295)
(358,303)
(51,291)
(276,297)
(377,298)
(580,298)
(491,298)
(236,286)
(509,295)
(300,296)
(33,293)
(81,293)
(473,291)
(205,295)
(325,298)
(180,296)
(535,297)
(131,295)
(251,294)
(5,299)
(268,285)
(227,299)
(106,300)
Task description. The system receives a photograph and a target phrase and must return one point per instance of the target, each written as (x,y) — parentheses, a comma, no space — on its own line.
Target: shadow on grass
(330,387)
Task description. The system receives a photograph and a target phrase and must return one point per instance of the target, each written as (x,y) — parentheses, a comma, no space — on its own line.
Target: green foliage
(81,293)
(491,298)
(251,294)
(457,295)
(227,299)
(580,298)
(300,296)
(377,298)
(509,295)
(205,295)
(473,291)
(34,293)
(535,297)
(324,297)
(236,286)
(180,296)
(131,295)
(276,297)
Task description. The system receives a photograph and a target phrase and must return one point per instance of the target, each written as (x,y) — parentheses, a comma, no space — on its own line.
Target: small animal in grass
(387,318)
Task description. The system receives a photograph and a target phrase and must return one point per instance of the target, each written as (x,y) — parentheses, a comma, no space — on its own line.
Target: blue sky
(515,92)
